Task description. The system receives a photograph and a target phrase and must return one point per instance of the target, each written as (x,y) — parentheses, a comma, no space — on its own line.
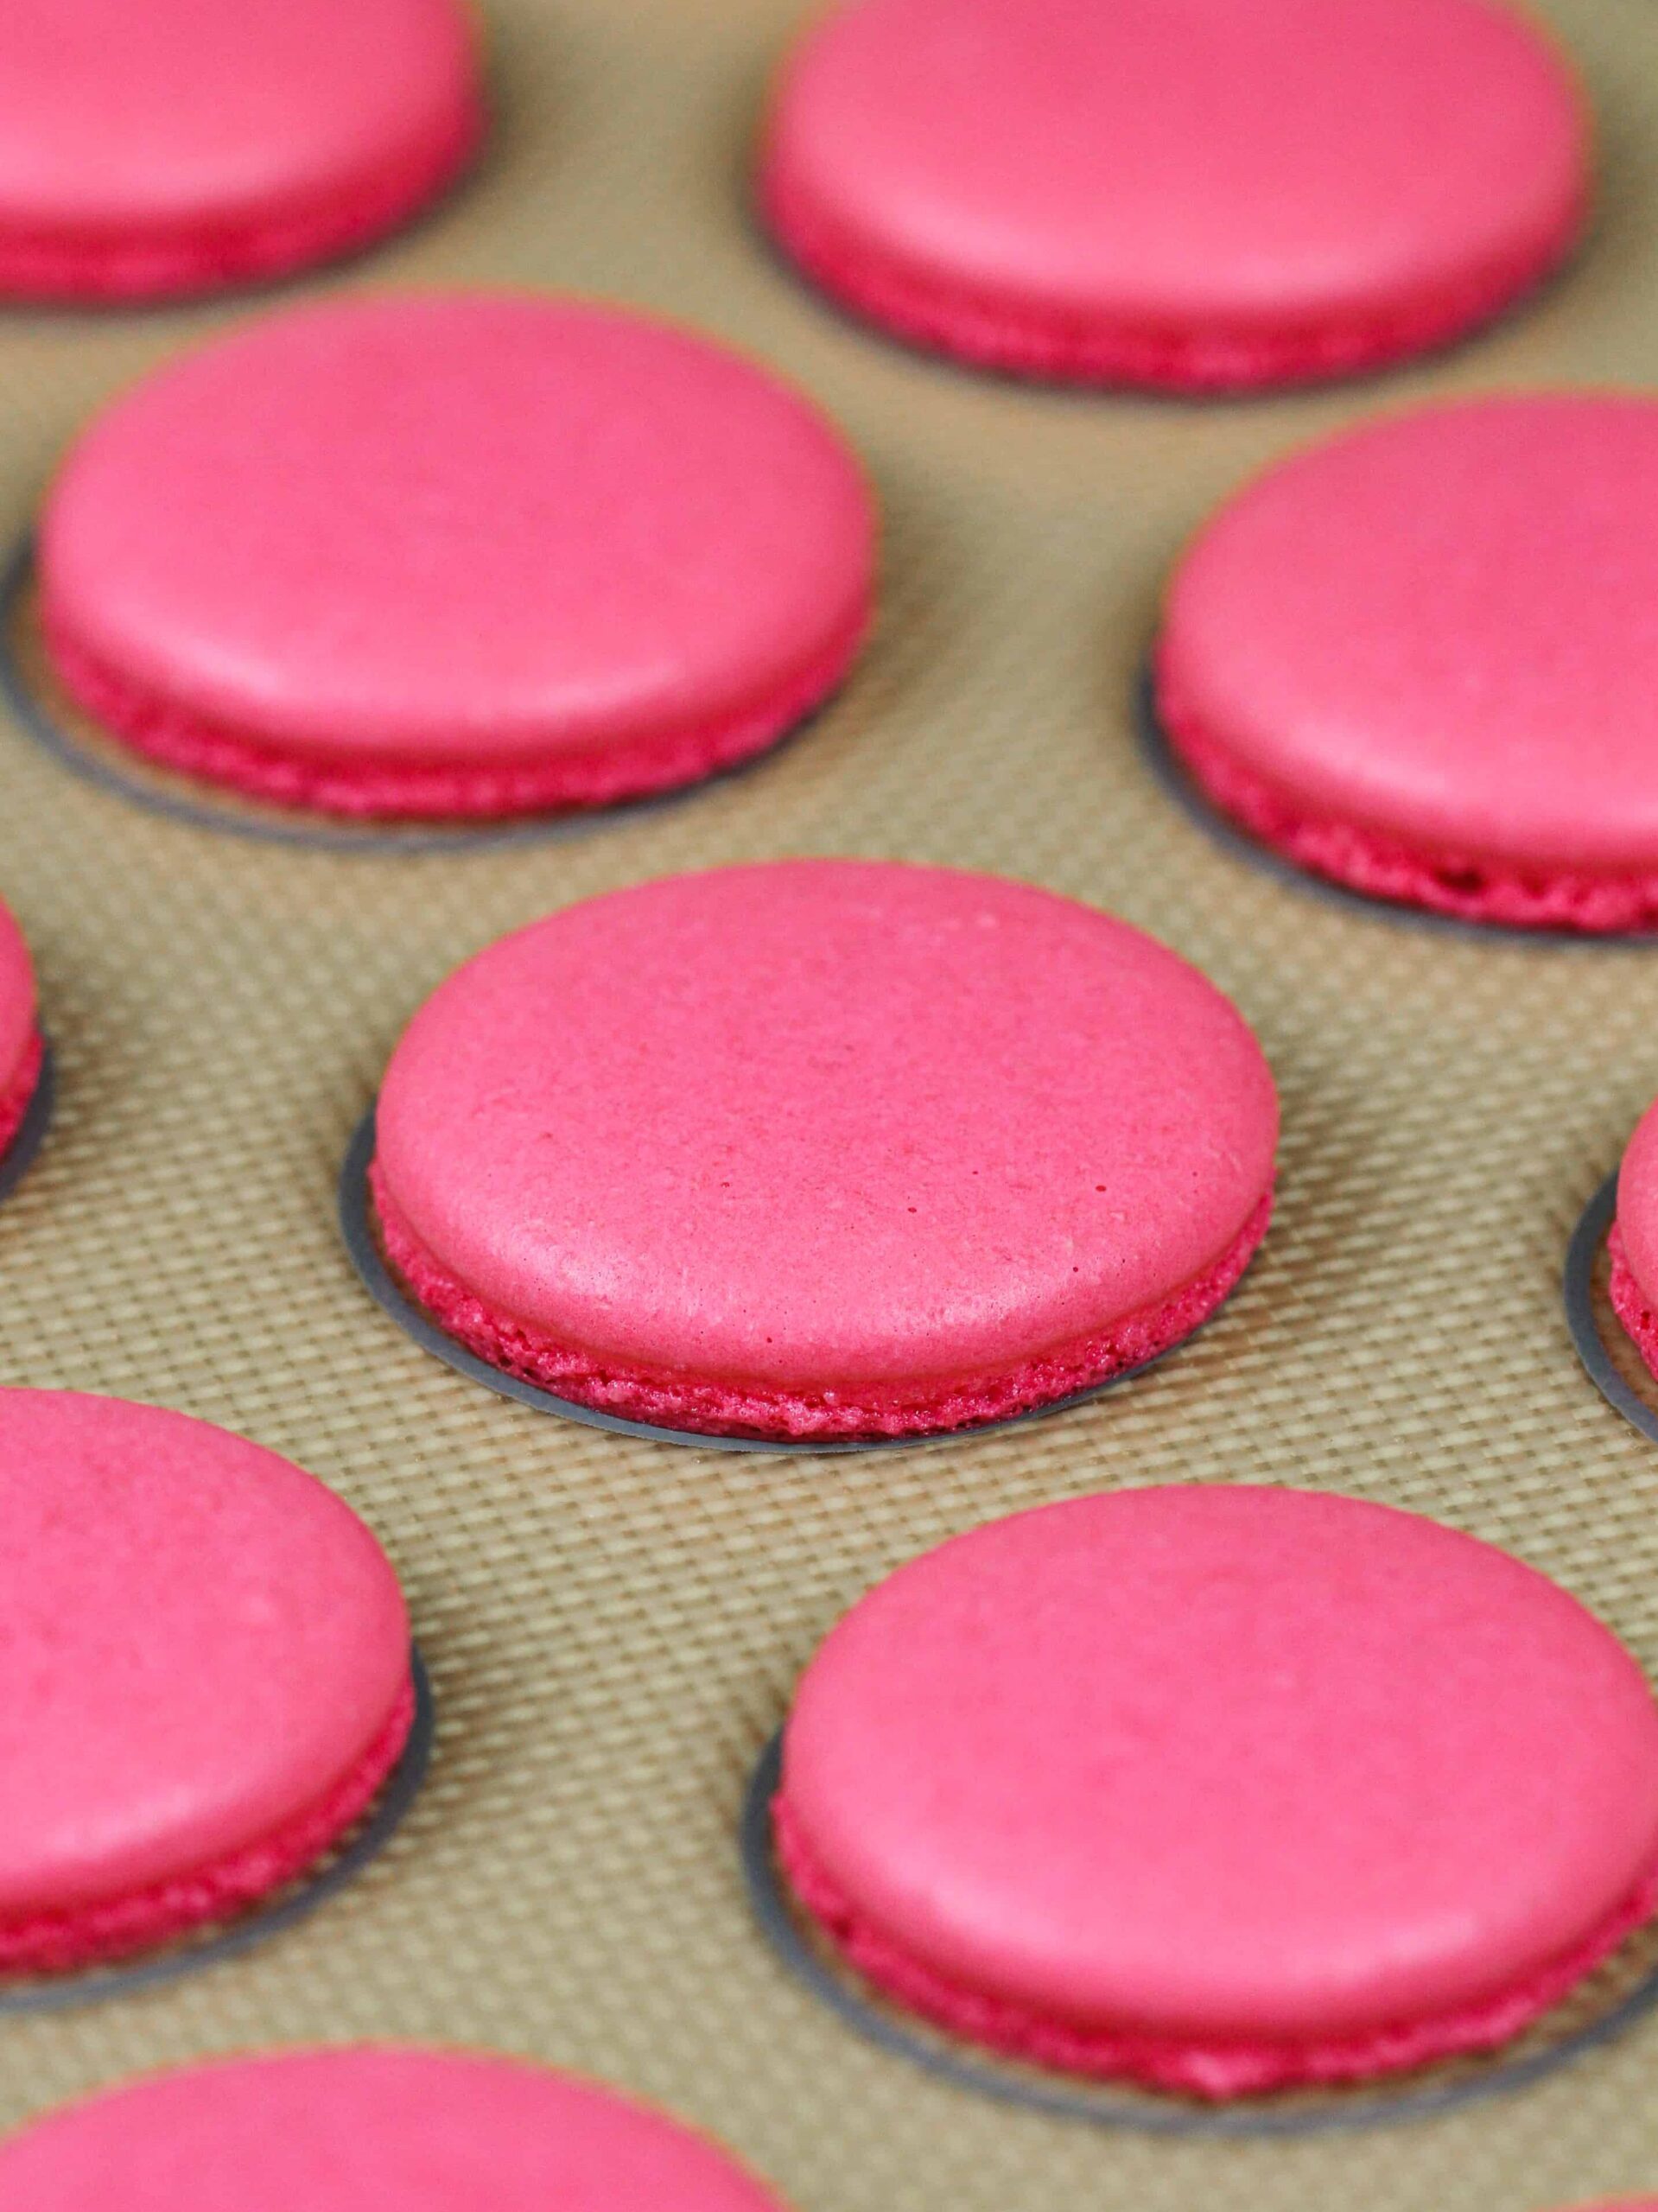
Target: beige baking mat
(612,1627)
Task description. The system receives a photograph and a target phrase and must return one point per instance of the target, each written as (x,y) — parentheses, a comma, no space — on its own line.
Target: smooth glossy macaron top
(1199,191)
(366,2128)
(1253,1771)
(201,1645)
(1440,630)
(821,1123)
(175,143)
(18,1014)
(477,527)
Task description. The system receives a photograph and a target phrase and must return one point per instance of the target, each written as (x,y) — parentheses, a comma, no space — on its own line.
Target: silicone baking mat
(613,1626)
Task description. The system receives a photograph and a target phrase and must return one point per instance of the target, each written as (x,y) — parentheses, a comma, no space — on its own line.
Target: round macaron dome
(1634,1241)
(1419,660)
(23,1048)
(365,2128)
(1178,194)
(823,1150)
(204,1677)
(1222,1790)
(177,146)
(455,554)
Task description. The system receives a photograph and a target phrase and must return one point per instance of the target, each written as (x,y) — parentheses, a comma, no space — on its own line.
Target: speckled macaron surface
(21,1043)
(178,145)
(1220,1789)
(1184,194)
(366,2128)
(473,553)
(825,1149)
(1420,658)
(203,1676)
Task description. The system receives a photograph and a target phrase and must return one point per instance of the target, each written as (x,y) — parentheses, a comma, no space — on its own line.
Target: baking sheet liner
(205,1947)
(613,1629)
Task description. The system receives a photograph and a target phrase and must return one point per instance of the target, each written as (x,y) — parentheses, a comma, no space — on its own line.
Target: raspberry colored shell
(1223,1789)
(1419,659)
(1633,1284)
(511,553)
(150,147)
(204,1677)
(1185,194)
(363,2128)
(20,1044)
(824,1148)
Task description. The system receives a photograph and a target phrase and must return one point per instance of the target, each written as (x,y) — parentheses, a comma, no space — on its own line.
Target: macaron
(1222,1790)
(23,1048)
(1184,194)
(1634,1240)
(178,146)
(364,2127)
(455,554)
(205,1676)
(1419,660)
(823,1150)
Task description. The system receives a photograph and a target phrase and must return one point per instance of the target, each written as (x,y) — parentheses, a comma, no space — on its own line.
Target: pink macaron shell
(205,1652)
(837,1130)
(1431,639)
(364,2128)
(180,145)
(505,542)
(1633,1285)
(1224,1787)
(1636,1311)
(19,1019)
(1177,192)
(1637,1203)
(17,1092)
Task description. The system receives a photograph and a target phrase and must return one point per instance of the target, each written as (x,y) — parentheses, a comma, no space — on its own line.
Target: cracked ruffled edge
(214,754)
(946,316)
(58,268)
(1465,886)
(19,1094)
(1215,2071)
(671,1398)
(92,1934)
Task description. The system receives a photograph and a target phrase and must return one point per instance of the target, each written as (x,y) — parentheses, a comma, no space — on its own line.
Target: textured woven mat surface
(612,1627)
